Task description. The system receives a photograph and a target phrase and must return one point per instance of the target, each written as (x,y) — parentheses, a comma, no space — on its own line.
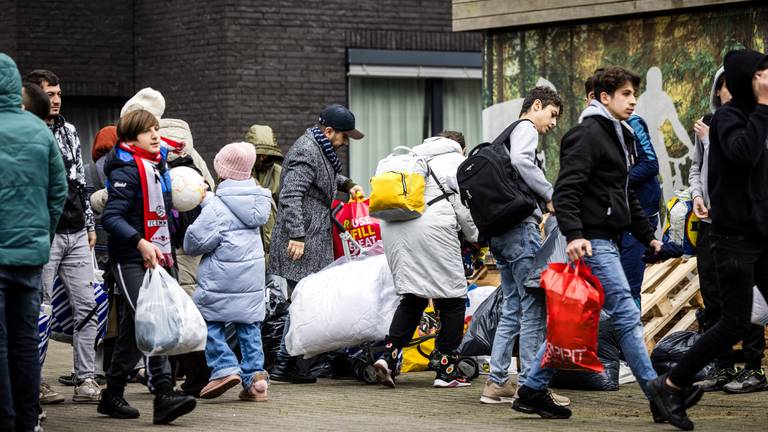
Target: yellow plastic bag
(416,358)
(397,196)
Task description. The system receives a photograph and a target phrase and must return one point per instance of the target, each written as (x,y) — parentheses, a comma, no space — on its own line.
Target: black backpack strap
(503,138)
(444,194)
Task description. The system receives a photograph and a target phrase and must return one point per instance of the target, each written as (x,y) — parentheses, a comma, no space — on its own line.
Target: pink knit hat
(235,161)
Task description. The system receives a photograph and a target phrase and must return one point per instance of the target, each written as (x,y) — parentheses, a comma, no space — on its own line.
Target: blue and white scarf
(328,149)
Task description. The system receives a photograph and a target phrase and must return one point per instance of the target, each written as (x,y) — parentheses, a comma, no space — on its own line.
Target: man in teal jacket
(33,188)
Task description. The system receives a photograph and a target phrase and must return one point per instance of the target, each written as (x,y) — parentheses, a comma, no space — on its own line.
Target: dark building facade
(221,65)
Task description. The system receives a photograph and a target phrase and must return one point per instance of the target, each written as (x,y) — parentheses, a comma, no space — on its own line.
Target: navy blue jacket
(123,216)
(644,175)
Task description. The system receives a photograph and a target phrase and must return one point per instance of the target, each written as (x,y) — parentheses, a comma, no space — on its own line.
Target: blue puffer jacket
(123,216)
(644,175)
(227,233)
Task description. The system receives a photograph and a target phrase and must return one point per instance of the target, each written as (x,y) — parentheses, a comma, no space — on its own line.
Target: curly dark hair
(613,78)
(546,95)
(589,83)
(453,135)
(38,76)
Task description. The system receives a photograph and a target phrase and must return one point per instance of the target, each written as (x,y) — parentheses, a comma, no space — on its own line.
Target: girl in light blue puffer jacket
(231,274)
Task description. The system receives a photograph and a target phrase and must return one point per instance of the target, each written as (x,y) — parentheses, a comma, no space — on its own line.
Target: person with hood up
(231,274)
(267,171)
(138,218)
(724,376)
(33,190)
(738,191)
(177,137)
(424,255)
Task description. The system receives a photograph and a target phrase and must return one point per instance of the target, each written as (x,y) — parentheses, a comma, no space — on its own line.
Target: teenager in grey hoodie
(523,312)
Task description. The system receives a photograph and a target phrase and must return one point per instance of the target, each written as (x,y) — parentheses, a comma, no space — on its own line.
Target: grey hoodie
(697,176)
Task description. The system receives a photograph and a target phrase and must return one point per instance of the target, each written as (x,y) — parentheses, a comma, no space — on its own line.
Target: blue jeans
(20,296)
(222,360)
(625,317)
(632,251)
(523,313)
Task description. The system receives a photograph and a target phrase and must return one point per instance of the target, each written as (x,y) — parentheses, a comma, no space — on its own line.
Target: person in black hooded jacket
(738,184)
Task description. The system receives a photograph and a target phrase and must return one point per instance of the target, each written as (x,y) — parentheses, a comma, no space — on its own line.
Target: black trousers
(408,315)
(740,263)
(129,277)
(753,345)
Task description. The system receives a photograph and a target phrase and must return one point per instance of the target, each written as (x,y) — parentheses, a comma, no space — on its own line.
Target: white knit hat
(147,99)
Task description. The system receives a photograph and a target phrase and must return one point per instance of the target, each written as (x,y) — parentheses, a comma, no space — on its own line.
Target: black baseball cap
(341,119)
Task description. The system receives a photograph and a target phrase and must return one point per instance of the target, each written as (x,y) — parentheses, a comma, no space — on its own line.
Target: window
(403,104)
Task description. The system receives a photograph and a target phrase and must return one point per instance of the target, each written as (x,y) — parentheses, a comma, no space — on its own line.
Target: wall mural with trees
(676,56)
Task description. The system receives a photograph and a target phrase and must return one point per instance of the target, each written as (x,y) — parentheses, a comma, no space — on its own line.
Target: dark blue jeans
(20,298)
(632,251)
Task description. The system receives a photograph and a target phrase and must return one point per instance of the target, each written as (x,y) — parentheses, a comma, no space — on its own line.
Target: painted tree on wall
(675,55)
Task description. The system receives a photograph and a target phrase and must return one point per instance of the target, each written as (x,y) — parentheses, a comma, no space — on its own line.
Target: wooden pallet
(670,297)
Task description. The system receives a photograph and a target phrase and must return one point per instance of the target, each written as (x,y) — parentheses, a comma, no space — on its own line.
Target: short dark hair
(763,65)
(454,135)
(35,100)
(613,78)
(38,76)
(135,122)
(547,96)
(589,83)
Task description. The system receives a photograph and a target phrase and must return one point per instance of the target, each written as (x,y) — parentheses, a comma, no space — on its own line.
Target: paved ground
(414,405)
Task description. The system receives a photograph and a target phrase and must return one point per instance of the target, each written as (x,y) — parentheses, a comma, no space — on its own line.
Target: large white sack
(759,308)
(345,304)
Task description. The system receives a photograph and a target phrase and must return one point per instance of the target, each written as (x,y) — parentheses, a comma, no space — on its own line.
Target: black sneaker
(691,395)
(170,405)
(717,378)
(114,405)
(448,375)
(747,381)
(69,380)
(530,401)
(669,403)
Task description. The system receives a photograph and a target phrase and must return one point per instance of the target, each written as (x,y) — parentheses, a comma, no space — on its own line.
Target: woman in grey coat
(301,240)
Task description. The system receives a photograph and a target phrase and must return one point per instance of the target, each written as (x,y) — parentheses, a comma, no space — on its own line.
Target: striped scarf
(328,150)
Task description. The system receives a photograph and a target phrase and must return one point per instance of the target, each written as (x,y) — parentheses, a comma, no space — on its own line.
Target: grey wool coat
(309,185)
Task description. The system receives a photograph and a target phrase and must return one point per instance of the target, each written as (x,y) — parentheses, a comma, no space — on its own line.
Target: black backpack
(492,189)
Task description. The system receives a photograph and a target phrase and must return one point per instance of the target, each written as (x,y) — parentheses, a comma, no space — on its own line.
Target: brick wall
(8,27)
(274,63)
(88,44)
(224,65)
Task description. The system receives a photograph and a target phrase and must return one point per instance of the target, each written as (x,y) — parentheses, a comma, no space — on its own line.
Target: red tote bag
(574,299)
(356,219)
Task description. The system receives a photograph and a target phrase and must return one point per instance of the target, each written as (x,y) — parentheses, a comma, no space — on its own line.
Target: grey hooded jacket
(697,177)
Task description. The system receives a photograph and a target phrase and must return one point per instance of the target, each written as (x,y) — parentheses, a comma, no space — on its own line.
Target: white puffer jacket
(424,254)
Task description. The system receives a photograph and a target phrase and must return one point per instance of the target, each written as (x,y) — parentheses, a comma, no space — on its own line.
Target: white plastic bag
(345,304)
(167,321)
(759,308)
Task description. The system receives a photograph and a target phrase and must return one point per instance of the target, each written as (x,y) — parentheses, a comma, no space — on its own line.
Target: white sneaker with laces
(87,392)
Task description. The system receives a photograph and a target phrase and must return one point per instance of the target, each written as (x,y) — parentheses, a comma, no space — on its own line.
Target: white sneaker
(87,392)
(625,374)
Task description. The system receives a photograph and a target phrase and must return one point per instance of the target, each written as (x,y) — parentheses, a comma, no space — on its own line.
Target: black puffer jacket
(591,197)
(123,216)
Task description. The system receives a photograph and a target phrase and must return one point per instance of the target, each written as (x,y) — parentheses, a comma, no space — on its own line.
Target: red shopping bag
(574,299)
(357,221)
